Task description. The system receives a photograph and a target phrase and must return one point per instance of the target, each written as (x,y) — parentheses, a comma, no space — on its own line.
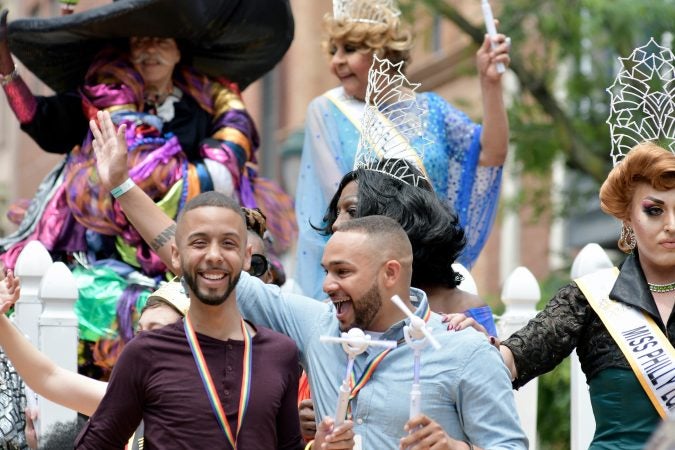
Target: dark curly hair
(432,227)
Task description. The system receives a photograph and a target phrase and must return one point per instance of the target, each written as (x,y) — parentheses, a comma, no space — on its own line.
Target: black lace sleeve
(551,336)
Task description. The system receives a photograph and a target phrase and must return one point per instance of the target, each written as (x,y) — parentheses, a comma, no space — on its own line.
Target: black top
(59,124)
(569,322)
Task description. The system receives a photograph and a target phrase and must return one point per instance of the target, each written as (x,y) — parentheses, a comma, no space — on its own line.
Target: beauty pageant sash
(647,349)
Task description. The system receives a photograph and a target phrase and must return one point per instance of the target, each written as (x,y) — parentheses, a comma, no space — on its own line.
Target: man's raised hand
(110,147)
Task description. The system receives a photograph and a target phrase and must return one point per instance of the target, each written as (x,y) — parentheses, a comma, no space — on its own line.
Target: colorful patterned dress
(201,138)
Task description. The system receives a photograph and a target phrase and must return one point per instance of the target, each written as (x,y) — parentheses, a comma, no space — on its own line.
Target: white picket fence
(46,315)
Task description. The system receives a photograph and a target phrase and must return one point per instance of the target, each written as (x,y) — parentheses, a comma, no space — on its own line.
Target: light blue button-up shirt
(465,385)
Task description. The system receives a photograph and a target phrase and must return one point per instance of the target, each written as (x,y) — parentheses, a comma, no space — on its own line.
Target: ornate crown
(366,11)
(642,105)
(391,121)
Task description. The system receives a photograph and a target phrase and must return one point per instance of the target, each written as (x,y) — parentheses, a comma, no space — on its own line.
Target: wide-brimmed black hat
(238,39)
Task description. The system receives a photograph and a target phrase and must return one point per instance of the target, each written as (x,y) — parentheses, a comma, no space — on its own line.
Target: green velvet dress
(624,416)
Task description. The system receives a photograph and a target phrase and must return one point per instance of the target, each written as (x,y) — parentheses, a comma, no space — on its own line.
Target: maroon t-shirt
(156,379)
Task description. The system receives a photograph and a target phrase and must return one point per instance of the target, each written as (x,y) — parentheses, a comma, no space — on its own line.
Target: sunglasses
(259,265)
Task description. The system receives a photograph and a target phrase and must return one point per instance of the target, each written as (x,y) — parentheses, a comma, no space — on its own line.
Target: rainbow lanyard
(208,381)
(367,374)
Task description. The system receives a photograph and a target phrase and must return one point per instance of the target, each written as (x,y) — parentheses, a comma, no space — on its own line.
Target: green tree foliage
(564,54)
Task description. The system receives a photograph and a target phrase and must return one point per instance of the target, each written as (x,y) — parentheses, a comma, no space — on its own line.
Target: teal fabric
(624,416)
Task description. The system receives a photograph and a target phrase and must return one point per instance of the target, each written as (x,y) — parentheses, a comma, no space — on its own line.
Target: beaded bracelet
(6,79)
(123,188)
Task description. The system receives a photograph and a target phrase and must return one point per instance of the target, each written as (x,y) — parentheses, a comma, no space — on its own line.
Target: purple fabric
(246,193)
(111,68)
(72,236)
(151,264)
(47,230)
(126,306)
(224,155)
(103,94)
(53,219)
(161,155)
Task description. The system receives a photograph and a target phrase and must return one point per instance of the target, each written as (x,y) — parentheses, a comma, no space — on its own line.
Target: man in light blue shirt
(466,389)
(465,386)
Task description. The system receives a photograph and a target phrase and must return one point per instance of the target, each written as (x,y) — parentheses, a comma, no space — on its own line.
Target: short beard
(206,299)
(367,307)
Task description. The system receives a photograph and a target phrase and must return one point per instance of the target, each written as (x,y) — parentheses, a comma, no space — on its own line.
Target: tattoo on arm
(163,237)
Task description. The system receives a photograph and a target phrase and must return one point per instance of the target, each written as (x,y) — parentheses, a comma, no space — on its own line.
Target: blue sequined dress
(451,161)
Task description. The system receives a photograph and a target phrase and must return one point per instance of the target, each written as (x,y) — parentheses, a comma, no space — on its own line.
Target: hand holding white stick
(491,29)
(354,342)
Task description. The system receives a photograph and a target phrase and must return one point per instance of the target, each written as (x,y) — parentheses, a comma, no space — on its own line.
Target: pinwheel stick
(353,343)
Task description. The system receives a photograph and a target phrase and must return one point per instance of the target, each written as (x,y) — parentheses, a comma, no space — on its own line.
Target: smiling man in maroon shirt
(159,379)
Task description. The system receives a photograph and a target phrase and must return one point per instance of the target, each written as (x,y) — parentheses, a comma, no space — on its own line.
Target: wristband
(123,188)
(309,445)
(6,79)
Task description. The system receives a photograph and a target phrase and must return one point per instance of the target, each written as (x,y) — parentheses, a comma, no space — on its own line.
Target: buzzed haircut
(212,198)
(389,234)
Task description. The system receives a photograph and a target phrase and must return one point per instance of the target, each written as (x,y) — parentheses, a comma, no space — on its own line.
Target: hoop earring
(627,241)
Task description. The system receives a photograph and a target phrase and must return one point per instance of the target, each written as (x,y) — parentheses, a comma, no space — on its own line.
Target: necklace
(669,287)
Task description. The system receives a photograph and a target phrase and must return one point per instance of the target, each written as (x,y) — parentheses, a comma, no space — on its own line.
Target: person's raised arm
(61,386)
(154,226)
(495,136)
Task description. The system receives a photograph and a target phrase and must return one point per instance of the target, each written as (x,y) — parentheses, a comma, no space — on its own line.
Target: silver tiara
(642,100)
(391,121)
(366,11)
